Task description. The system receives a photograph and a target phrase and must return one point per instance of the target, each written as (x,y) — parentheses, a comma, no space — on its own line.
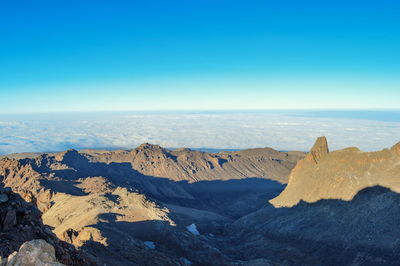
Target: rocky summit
(155,206)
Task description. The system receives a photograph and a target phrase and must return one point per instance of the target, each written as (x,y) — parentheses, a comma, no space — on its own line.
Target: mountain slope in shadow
(152,206)
(111,208)
(363,231)
(21,222)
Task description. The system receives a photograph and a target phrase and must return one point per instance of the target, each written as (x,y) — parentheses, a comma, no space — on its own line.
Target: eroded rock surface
(339,208)
(140,207)
(21,222)
(339,174)
(110,203)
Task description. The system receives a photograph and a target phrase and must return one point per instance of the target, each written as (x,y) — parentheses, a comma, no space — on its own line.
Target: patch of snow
(186,261)
(149,244)
(193,229)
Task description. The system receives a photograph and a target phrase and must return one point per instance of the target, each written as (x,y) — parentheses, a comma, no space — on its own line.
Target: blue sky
(173,55)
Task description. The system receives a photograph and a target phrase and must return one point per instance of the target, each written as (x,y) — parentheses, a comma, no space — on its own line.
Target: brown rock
(339,174)
(319,150)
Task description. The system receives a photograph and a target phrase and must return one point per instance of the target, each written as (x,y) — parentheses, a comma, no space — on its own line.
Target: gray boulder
(34,253)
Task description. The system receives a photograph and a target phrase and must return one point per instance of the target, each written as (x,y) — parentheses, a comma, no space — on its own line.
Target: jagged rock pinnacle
(319,150)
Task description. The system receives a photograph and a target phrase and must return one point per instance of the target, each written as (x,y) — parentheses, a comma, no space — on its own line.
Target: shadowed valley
(154,206)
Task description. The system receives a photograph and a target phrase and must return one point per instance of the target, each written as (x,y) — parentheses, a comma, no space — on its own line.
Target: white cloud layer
(220,130)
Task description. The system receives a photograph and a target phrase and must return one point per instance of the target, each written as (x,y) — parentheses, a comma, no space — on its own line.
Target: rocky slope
(21,222)
(152,206)
(134,207)
(339,207)
(186,164)
(340,174)
(363,231)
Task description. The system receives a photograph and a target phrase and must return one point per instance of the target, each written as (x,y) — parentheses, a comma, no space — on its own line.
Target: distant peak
(71,157)
(71,151)
(149,146)
(61,155)
(319,150)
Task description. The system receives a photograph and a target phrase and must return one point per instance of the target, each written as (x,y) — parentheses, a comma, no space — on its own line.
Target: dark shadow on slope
(68,187)
(126,247)
(27,225)
(363,231)
(232,198)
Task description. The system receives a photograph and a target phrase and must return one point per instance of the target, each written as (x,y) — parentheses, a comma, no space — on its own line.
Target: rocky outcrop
(319,150)
(339,174)
(36,253)
(186,164)
(339,208)
(21,222)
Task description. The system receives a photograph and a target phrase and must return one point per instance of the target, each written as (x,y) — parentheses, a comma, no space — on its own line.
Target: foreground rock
(36,253)
(21,222)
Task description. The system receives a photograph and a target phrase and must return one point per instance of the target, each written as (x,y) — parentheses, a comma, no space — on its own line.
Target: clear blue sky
(141,55)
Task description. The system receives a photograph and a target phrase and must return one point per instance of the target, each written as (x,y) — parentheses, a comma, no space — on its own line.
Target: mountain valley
(154,206)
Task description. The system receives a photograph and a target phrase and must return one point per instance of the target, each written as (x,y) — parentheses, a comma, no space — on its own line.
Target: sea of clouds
(220,130)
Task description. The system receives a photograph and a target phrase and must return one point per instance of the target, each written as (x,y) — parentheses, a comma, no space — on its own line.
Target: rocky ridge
(339,207)
(186,164)
(113,204)
(152,206)
(340,174)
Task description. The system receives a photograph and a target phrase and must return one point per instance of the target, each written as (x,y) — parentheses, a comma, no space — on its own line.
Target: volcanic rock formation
(153,206)
(133,207)
(339,208)
(340,174)
(186,164)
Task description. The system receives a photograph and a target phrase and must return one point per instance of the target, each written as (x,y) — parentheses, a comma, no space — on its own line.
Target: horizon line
(200,110)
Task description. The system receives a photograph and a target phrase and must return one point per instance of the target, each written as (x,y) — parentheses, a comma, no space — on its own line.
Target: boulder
(34,253)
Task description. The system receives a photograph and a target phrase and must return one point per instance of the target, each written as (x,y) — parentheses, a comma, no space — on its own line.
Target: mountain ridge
(339,174)
(151,194)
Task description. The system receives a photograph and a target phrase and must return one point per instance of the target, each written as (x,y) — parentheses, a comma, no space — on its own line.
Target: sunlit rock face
(339,174)
(339,208)
(20,223)
(148,205)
